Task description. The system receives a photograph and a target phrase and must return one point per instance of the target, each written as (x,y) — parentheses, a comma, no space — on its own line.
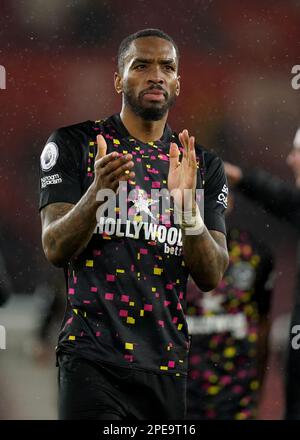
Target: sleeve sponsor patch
(50,180)
(222,197)
(49,156)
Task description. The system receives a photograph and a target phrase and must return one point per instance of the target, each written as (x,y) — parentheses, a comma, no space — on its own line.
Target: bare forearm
(205,259)
(67,229)
(68,235)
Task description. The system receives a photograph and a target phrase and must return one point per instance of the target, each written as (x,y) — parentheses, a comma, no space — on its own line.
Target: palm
(182,175)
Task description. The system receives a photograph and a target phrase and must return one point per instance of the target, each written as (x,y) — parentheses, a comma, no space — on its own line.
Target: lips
(154,94)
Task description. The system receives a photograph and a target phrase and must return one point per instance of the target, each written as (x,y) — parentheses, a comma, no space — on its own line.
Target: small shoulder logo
(49,156)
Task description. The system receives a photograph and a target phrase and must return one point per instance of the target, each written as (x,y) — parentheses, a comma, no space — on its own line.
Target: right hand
(234,174)
(111,168)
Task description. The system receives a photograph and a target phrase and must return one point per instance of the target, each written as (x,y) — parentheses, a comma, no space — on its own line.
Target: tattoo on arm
(49,215)
(67,228)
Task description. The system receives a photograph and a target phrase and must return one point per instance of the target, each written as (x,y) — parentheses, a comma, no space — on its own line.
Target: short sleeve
(60,165)
(215,193)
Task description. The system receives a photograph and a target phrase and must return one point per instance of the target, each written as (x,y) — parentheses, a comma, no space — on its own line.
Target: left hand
(183,175)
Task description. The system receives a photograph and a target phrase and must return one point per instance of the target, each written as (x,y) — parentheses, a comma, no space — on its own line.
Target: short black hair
(125,44)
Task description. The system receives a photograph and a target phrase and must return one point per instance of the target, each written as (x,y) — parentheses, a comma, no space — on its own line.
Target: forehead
(152,48)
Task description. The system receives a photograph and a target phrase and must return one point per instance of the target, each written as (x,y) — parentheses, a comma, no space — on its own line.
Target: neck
(145,131)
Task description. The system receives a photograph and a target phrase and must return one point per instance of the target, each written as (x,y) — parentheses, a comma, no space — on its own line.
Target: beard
(153,112)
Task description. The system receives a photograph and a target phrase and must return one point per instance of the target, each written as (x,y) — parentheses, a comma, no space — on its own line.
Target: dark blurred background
(237,98)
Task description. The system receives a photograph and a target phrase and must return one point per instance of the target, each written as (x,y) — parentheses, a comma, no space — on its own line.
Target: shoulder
(70,138)
(65,144)
(74,131)
(211,165)
(211,159)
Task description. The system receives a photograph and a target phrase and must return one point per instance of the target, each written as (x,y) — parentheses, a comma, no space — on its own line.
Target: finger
(174,156)
(192,143)
(123,169)
(101,147)
(113,165)
(127,175)
(182,138)
(124,178)
(193,159)
(182,141)
(185,139)
(103,161)
(192,152)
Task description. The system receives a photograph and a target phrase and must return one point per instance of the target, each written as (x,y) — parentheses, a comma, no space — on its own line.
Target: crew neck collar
(122,130)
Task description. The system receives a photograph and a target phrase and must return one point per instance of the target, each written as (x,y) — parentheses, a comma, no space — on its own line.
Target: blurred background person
(229,328)
(5,293)
(5,282)
(51,311)
(283,201)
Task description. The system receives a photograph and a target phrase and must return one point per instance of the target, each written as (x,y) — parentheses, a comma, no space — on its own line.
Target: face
(293,161)
(149,80)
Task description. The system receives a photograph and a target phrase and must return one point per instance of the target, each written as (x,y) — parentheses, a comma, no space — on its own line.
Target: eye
(169,68)
(140,67)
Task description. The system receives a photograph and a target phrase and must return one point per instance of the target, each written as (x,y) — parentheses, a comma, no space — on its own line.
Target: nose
(155,76)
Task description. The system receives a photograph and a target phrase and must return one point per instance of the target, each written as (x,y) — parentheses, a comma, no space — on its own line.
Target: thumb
(101,147)
(174,156)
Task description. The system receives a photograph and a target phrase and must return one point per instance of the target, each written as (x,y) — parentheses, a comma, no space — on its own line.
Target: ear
(177,90)
(118,82)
